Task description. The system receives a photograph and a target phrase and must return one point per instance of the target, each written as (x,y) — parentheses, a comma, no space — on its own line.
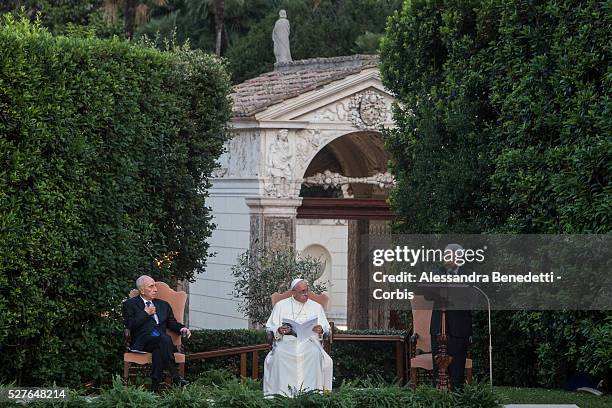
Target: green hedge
(358,360)
(105,152)
(352,360)
(208,340)
(547,348)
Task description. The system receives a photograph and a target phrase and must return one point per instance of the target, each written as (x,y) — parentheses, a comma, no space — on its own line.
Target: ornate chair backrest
(421,320)
(177,301)
(321,299)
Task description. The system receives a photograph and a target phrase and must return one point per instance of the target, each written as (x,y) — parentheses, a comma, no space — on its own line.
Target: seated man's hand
(318,329)
(186,331)
(284,329)
(150,310)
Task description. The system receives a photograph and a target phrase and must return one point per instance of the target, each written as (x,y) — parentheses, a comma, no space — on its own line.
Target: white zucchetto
(295,282)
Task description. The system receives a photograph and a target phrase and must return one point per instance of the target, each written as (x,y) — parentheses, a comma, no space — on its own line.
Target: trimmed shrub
(105,152)
(503,121)
(360,360)
(208,340)
(352,360)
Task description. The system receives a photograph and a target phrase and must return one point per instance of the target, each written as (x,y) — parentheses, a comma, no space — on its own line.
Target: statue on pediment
(280,36)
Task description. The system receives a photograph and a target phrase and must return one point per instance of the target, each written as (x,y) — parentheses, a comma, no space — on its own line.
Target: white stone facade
(327,240)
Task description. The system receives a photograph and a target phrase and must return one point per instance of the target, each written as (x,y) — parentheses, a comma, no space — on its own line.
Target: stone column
(378,312)
(273,223)
(357,275)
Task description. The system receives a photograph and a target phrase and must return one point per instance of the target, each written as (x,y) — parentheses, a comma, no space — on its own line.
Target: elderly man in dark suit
(458,328)
(148,318)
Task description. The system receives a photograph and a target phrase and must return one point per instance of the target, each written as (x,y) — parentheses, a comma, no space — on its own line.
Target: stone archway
(356,163)
(349,173)
(284,121)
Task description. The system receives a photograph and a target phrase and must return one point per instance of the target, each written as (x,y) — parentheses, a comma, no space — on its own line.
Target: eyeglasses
(303,291)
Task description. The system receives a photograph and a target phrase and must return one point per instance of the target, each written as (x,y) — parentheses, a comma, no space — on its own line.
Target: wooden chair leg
(255,365)
(126,371)
(181,369)
(468,376)
(413,377)
(167,378)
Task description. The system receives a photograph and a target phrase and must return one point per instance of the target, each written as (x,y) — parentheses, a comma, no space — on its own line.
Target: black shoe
(178,380)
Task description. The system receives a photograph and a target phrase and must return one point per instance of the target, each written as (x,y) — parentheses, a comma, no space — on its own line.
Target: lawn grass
(512,395)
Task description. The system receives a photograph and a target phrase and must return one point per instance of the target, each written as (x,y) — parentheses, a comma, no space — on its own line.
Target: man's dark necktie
(155,332)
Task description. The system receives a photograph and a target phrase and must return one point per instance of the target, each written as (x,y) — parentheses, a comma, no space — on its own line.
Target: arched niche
(320,253)
(354,155)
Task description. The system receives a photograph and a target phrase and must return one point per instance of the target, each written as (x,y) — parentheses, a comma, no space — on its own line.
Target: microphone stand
(490,342)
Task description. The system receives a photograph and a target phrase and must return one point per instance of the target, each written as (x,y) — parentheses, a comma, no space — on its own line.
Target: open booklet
(302,330)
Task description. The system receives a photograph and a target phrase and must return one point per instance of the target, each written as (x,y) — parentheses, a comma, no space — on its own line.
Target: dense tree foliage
(322,28)
(56,15)
(105,152)
(503,125)
(195,21)
(504,120)
(325,28)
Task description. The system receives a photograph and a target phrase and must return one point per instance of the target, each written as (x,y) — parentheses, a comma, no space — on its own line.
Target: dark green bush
(129,397)
(504,124)
(186,397)
(208,340)
(359,360)
(105,152)
(352,360)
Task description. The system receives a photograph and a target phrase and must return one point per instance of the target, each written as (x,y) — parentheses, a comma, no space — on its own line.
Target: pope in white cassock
(294,365)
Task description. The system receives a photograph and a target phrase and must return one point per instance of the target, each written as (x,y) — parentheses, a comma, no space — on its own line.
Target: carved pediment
(358,101)
(364,110)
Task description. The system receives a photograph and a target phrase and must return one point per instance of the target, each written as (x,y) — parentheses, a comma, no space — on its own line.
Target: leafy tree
(195,21)
(503,125)
(54,14)
(258,277)
(325,28)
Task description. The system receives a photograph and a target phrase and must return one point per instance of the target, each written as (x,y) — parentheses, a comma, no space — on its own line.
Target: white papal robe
(293,365)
